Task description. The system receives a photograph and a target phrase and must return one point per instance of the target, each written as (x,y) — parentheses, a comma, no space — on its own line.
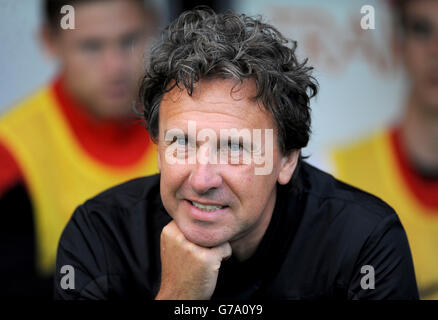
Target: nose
(114,61)
(205,176)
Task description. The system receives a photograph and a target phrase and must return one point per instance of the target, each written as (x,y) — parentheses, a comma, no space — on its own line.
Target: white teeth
(206,207)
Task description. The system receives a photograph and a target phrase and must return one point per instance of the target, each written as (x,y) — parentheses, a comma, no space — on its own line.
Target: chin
(204,237)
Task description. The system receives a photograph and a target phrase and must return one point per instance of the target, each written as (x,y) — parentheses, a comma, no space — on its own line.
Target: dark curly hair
(201,44)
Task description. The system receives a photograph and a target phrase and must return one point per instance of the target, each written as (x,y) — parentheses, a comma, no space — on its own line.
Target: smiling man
(213,226)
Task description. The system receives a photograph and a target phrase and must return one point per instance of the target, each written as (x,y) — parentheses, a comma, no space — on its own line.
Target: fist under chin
(205,236)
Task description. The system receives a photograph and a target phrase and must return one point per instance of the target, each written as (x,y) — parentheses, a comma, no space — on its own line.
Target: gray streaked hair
(201,44)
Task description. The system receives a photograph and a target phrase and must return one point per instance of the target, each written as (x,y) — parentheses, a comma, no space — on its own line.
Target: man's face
(246,199)
(102,58)
(420,50)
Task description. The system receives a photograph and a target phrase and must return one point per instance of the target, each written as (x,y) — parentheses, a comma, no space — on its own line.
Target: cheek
(85,76)
(415,59)
(168,188)
(172,176)
(80,63)
(249,181)
(249,188)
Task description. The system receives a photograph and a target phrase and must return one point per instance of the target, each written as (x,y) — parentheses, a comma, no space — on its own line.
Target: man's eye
(421,29)
(235,146)
(182,141)
(91,47)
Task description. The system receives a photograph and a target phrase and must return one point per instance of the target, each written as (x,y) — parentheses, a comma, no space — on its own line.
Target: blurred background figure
(399,163)
(75,136)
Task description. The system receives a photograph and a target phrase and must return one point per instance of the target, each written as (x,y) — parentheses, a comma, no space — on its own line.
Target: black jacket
(319,239)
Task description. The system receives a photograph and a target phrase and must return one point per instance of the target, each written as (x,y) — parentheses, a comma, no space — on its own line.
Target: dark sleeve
(18,275)
(387,253)
(81,271)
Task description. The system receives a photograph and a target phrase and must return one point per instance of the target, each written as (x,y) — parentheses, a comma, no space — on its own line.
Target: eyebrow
(241,141)
(175,132)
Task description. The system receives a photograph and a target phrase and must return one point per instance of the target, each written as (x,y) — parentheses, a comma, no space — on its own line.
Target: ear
(396,48)
(49,40)
(288,165)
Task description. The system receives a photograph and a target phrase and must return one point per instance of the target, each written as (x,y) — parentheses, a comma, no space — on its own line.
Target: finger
(223,251)
(171,230)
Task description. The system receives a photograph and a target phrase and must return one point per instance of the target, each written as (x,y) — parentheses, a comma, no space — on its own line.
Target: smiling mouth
(206,207)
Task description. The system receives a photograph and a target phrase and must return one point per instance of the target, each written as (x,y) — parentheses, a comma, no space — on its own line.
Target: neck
(419,134)
(245,246)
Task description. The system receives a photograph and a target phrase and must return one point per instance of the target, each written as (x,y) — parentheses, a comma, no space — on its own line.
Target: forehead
(423,9)
(216,103)
(107,18)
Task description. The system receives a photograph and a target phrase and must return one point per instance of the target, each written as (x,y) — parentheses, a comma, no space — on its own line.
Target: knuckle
(167,230)
(164,233)
(180,238)
(202,257)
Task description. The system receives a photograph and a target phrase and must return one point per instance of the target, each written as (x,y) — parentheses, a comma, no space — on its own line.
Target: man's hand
(188,271)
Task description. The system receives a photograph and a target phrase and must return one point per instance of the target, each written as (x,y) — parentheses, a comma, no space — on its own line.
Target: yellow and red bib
(60,170)
(379,165)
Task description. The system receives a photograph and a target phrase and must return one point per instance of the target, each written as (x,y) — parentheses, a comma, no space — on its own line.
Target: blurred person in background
(400,163)
(73,138)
